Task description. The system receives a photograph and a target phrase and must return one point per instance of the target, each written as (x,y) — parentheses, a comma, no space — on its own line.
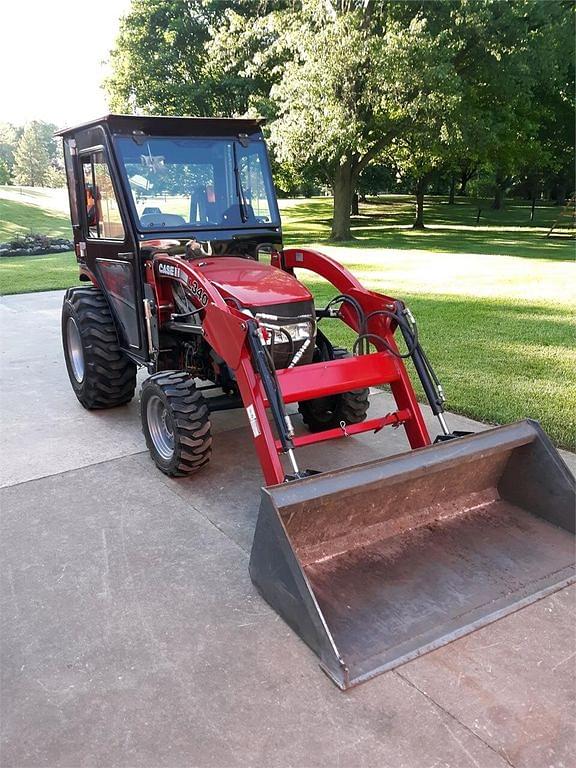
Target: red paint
(253,283)
(373,425)
(256,284)
(330,378)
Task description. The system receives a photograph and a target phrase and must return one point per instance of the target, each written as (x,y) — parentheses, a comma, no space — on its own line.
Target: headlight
(296,331)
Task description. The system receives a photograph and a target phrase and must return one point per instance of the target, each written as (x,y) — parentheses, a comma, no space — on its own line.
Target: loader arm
(230,332)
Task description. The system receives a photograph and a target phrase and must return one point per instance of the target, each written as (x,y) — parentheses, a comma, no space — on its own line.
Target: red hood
(254,284)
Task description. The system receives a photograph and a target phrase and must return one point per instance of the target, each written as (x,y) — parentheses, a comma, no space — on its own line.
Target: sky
(51,59)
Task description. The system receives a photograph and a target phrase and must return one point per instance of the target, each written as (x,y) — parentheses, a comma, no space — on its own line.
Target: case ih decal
(174,272)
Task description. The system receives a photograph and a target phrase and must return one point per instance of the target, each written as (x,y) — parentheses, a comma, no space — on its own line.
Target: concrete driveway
(132,635)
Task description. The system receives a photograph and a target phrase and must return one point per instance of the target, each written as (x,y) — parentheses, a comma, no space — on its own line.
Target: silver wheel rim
(159,427)
(75,350)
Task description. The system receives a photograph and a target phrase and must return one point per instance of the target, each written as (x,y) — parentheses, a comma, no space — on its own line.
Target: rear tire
(329,412)
(176,423)
(100,374)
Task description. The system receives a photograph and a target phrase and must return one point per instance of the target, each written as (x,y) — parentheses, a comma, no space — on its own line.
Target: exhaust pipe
(379,563)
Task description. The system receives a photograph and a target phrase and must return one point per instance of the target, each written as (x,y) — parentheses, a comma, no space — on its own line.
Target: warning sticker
(253,421)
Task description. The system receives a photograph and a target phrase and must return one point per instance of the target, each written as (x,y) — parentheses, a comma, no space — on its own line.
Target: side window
(102,211)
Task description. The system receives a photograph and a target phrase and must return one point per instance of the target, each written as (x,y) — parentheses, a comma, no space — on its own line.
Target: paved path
(132,635)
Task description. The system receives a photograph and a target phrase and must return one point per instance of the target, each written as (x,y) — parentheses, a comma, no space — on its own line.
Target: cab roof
(171,126)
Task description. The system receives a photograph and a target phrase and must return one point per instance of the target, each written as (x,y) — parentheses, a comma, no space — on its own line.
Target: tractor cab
(206,179)
(188,187)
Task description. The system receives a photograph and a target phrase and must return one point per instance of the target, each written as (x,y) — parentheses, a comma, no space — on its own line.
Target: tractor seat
(159,220)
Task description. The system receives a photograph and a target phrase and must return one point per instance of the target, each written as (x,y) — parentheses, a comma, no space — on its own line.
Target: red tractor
(179,242)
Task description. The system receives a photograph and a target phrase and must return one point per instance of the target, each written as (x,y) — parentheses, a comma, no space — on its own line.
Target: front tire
(100,374)
(176,423)
(329,412)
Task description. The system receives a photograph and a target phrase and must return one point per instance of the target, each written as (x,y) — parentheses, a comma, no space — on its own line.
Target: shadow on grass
(499,361)
(451,229)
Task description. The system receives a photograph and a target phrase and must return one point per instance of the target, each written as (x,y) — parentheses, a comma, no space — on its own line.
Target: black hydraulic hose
(403,323)
(426,374)
(265,368)
(427,377)
(432,371)
(284,332)
(344,298)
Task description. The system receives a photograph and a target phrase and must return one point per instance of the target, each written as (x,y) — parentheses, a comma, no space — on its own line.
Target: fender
(174,268)
(222,325)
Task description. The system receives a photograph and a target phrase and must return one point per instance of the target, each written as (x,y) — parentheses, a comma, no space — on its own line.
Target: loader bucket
(379,563)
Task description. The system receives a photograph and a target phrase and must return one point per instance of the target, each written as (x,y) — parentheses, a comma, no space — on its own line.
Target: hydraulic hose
(426,373)
(362,320)
(404,320)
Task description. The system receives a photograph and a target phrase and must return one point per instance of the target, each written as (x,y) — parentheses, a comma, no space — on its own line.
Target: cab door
(110,251)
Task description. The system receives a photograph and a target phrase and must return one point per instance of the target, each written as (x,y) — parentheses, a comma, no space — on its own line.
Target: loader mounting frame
(233,335)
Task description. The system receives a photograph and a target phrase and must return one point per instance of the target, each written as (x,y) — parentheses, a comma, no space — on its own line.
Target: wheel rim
(75,350)
(160,427)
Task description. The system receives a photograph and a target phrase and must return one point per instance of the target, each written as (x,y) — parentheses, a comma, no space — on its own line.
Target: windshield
(200,183)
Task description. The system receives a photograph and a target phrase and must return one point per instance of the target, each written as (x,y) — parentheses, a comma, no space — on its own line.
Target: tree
(31,159)
(362,73)
(512,59)
(157,61)
(4,172)
(438,89)
(161,63)
(55,177)
(375,179)
(9,136)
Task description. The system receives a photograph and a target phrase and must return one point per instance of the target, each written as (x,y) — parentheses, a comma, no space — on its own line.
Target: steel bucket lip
(416,462)
(377,664)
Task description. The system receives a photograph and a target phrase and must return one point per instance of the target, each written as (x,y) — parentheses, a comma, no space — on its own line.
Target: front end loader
(179,246)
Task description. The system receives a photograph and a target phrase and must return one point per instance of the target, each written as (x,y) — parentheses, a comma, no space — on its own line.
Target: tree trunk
(452,194)
(467,173)
(343,190)
(502,184)
(354,208)
(561,193)
(419,193)
(498,202)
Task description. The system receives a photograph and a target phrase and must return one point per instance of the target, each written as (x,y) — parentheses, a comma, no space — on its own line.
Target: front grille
(291,318)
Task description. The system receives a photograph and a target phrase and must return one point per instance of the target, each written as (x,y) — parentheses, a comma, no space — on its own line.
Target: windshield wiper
(239,190)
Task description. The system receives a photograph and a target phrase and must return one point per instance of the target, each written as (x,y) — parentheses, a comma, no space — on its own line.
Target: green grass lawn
(28,274)
(495,302)
(20,218)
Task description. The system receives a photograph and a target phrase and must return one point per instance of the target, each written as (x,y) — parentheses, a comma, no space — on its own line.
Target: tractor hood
(253,283)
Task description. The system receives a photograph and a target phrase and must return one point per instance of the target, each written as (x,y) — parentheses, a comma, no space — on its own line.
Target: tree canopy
(430,89)
(30,155)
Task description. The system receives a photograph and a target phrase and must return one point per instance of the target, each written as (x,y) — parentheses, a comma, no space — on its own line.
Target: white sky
(51,54)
